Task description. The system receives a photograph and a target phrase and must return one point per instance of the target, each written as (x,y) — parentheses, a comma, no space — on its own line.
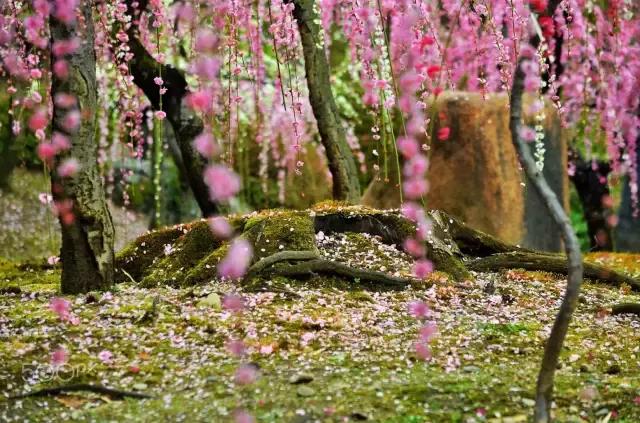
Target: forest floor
(335,353)
(28,230)
(327,350)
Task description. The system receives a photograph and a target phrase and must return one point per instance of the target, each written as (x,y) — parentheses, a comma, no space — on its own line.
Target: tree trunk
(186,125)
(592,186)
(346,185)
(553,347)
(627,233)
(87,241)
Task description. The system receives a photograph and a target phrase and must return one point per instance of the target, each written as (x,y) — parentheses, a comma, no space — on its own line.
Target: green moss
(205,270)
(136,258)
(29,278)
(280,232)
(185,254)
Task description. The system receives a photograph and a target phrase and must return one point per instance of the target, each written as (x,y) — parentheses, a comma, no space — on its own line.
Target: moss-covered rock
(206,268)
(184,255)
(283,231)
(136,258)
(188,255)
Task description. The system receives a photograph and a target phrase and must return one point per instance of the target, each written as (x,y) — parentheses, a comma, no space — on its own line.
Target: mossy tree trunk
(87,242)
(346,185)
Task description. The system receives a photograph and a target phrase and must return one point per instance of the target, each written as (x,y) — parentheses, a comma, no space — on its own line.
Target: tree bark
(87,242)
(553,347)
(186,125)
(591,190)
(627,233)
(346,185)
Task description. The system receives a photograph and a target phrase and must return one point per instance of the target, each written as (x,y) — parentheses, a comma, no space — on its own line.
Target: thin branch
(98,389)
(553,347)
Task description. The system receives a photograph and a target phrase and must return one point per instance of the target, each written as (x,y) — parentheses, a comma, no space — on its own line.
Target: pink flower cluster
(427,332)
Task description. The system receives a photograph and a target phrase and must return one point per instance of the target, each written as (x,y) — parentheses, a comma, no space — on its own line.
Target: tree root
(98,389)
(549,263)
(626,308)
(278,257)
(308,264)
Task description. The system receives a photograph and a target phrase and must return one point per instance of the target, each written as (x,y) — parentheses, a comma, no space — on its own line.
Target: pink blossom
(59,357)
(235,264)
(158,81)
(65,100)
(419,309)
(307,337)
(428,332)
(68,168)
(60,141)
(220,227)
(39,119)
(205,145)
(236,347)
(412,211)
(207,68)
(206,41)
(61,307)
(45,198)
(65,10)
(422,268)
(61,69)
(414,247)
(243,416)
(433,71)
(233,303)
(408,146)
(266,349)
(416,167)
(527,133)
(422,351)
(71,121)
(105,356)
(64,210)
(246,374)
(443,133)
(65,47)
(35,73)
(200,100)
(46,152)
(160,115)
(223,183)
(53,260)
(415,188)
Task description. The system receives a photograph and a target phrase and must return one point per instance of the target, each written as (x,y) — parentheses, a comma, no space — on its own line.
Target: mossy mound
(286,243)
(188,254)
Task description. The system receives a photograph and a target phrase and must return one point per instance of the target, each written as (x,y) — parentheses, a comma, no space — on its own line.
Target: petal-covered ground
(325,350)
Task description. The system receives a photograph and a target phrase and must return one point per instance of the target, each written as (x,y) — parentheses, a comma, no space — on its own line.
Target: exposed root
(98,389)
(549,263)
(310,267)
(626,308)
(278,257)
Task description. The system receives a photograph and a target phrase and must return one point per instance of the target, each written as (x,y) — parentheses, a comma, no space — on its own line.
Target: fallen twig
(98,389)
